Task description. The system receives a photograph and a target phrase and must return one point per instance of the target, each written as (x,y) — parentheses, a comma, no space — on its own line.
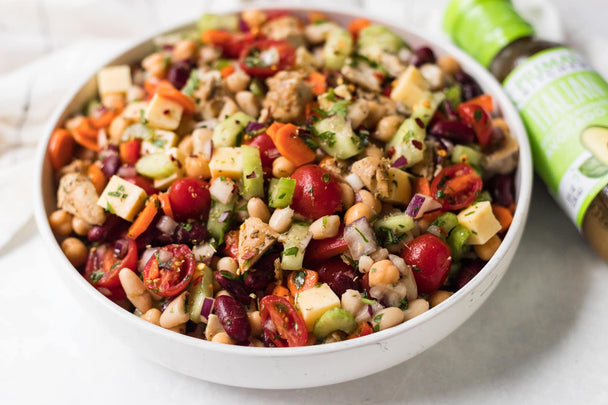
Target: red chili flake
(420,123)
(417,144)
(390,152)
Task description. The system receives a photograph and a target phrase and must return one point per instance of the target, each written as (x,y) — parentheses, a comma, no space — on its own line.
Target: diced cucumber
(378,36)
(399,224)
(471,156)
(229,22)
(229,131)
(138,131)
(336,137)
(457,241)
(446,222)
(333,320)
(280,192)
(484,195)
(338,46)
(293,247)
(200,288)
(156,165)
(253,173)
(219,219)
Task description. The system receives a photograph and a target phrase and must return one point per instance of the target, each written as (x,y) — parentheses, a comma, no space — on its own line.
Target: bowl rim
(524,173)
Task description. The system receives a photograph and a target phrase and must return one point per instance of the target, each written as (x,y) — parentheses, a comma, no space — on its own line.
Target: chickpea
(80,226)
(448,64)
(223,338)
(438,297)
(487,250)
(256,323)
(387,318)
(258,209)
(247,102)
(184,49)
(415,308)
(383,272)
(155,64)
(197,166)
(325,227)
(238,81)
(75,251)
(357,211)
(348,195)
(186,145)
(282,167)
(61,222)
(227,264)
(135,289)
(114,101)
(368,199)
(253,342)
(117,127)
(387,128)
(152,315)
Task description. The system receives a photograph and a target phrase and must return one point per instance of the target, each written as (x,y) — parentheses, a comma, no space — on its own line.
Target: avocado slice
(595,139)
(333,320)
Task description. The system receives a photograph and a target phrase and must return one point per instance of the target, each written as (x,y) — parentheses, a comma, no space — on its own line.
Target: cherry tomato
(130,151)
(456,186)
(430,259)
(317,193)
(144,183)
(232,49)
(231,241)
(282,322)
(363,329)
(105,262)
(169,271)
(338,275)
(189,198)
(266,57)
(480,119)
(320,250)
(268,152)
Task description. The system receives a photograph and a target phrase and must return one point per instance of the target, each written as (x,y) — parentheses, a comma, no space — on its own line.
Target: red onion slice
(207,308)
(360,237)
(145,256)
(203,253)
(208,149)
(126,171)
(354,181)
(421,204)
(222,190)
(400,162)
(166,225)
(223,217)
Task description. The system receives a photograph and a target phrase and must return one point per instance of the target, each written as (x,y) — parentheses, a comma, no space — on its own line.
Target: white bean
(247,102)
(281,219)
(415,308)
(175,313)
(325,227)
(135,289)
(152,315)
(214,326)
(227,264)
(258,209)
(387,318)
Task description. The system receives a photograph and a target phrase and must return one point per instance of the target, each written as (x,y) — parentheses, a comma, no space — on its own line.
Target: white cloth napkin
(48,47)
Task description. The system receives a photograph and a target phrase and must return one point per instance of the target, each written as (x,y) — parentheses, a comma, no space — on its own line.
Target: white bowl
(290,367)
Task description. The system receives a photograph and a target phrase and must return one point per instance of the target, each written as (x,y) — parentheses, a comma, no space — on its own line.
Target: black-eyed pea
(75,251)
(325,227)
(228,264)
(383,272)
(487,250)
(438,297)
(155,64)
(257,208)
(80,226)
(348,195)
(368,198)
(152,315)
(357,211)
(282,167)
(415,308)
(135,289)
(197,166)
(183,50)
(214,326)
(256,323)
(223,338)
(61,222)
(387,318)
(448,64)
(281,218)
(175,314)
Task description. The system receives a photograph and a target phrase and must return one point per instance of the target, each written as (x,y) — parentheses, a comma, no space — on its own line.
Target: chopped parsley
(362,236)
(191,84)
(95,276)
(299,278)
(292,251)
(120,193)
(326,179)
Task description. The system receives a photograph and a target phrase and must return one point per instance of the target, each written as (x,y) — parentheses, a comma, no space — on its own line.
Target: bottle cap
(484,27)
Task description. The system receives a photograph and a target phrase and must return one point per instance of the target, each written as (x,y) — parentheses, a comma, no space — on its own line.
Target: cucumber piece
(228,132)
(338,46)
(446,222)
(229,22)
(399,224)
(336,137)
(200,288)
(156,165)
(280,192)
(454,95)
(293,247)
(138,131)
(253,173)
(457,241)
(216,228)
(333,320)
(378,36)
(471,156)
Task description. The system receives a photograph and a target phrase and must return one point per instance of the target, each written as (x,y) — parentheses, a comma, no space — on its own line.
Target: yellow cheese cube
(163,140)
(314,302)
(400,188)
(133,111)
(122,198)
(410,88)
(480,221)
(226,162)
(164,113)
(114,79)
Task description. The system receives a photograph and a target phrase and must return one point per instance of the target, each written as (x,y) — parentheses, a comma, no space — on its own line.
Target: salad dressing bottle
(562,101)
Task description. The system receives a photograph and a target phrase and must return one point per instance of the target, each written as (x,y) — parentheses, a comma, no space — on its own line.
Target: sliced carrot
(166,90)
(273,128)
(145,218)
(150,84)
(215,37)
(281,291)
(85,141)
(428,219)
(165,204)
(422,185)
(316,16)
(301,280)
(227,71)
(61,148)
(102,120)
(356,25)
(97,177)
(317,82)
(503,215)
(291,146)
(84,128)
(512,208)
(310,110)
(485,101)
(363,329)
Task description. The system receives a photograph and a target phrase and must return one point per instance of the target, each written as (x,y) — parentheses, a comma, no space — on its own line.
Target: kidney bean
(233,318)
(234,286)
(110,165)
(338,275)
(501,189)
(470,88)
(179,73)
(263,274)
(194,234)
(114,225)
(468,271)
(422,56)
(454,130)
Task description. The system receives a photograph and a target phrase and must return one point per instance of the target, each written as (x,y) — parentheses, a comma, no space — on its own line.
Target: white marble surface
(540,338)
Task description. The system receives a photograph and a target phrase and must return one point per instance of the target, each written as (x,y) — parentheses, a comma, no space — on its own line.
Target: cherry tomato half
(144,183)
(430,259)
(105,262)
(130,151)
(268,152)
(480,119)
(317,192)
(232,49)
(266,57)
(456,186)
(169,271)
(231,244)
(189,198)
(282,323)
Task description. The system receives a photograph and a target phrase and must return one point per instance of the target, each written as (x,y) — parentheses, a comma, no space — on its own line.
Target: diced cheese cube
(163,140)
(133,111)
(164,113)
(411,87)
(122,198)
(399,188)
(314,302)
(114,79)
(226,162)
(480,221)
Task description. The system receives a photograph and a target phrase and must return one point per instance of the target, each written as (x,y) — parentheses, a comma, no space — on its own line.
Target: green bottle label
(483,27)
(564,105)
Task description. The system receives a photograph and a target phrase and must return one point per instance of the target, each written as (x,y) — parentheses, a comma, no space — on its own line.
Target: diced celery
(446,222)
(280,192)
(219,219)
(229,22)
(156,165)
(138,131)
(457,241)
(253,173)
(336,137)
(399,224)
(200,288)
(454,95)
(467,154)
(338,46)
(293,249)
(378,36)
(229,131)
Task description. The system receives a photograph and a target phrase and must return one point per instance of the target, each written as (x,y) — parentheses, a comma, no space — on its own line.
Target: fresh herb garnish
(292,251)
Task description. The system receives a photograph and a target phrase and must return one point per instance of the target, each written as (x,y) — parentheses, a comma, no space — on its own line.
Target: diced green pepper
(457,241)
